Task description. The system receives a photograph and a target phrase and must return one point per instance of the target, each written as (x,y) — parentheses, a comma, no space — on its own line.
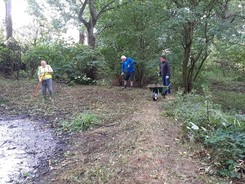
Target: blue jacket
(128,65)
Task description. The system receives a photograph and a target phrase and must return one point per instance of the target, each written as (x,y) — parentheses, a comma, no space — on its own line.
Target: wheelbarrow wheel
(154,96)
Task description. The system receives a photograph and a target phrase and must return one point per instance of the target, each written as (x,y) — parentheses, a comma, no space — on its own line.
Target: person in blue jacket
(128,67)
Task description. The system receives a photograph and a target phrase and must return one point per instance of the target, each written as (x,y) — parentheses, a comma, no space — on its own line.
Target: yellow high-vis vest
(43,72)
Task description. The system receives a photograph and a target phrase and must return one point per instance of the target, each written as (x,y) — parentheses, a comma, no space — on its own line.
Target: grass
(229,94)
(16,99)
(230,101)
(80,122)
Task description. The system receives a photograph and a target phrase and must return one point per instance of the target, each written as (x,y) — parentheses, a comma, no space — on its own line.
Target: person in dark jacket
(128,67)
(165,72)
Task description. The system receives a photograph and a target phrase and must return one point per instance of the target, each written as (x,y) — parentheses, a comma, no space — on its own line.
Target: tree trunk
(91,37)
(8,19)
(185,76)
(94,16)
(187,43)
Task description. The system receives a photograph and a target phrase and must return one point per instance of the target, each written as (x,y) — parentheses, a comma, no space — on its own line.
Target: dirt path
(159,156)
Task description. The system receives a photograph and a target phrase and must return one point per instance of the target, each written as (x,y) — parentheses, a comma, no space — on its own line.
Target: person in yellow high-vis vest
(45,77)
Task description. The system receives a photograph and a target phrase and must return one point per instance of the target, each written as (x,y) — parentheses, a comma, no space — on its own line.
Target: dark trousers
(166,82)
(47,83)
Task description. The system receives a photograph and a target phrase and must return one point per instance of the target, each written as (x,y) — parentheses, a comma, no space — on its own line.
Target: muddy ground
(25,149)
(134,143)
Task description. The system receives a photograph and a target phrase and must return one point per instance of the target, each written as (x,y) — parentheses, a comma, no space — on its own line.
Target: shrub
(33,56)
(68,62)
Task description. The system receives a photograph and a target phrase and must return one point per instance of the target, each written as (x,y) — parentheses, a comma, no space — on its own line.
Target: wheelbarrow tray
(158,89)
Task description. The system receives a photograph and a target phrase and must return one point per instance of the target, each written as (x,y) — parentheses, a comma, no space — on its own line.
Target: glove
(128,66)
(122,73)
(167,77)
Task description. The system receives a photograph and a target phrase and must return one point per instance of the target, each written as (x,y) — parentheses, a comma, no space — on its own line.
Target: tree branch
(92,11)
(200,66)
(107,7)
(80,15)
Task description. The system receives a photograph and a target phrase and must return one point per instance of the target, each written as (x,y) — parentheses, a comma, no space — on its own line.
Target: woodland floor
(135,142)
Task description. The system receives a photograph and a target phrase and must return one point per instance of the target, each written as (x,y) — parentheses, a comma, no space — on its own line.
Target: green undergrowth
(230,100)
(205,122)
(228,92)
(80,122)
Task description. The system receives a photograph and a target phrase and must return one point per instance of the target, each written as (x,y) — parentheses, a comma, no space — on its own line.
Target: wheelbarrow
(158,89)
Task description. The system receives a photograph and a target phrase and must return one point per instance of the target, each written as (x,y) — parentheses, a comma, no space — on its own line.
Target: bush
(33,56)
(76,64)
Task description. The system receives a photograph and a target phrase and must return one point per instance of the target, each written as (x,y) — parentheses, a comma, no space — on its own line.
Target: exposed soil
(25,149)
(135,142)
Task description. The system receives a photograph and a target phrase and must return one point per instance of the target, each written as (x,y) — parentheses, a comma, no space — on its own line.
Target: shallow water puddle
(25,146)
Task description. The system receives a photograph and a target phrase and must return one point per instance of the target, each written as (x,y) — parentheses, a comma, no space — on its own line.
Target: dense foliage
(221,134)
(74,64)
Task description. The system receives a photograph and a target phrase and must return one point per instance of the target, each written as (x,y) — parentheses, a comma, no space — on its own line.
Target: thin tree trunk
(8,19)
(185,76)
(81,38)
(187,43)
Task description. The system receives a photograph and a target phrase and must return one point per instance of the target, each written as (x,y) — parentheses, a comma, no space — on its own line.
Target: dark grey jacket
(165,69)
